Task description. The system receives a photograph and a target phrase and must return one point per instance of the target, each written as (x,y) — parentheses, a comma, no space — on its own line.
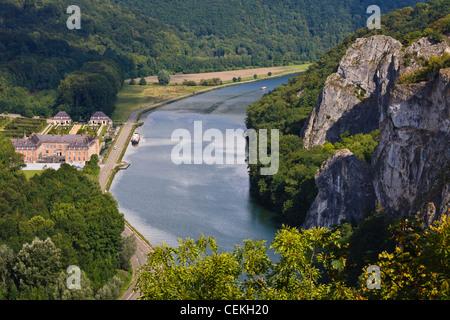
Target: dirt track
(222,75)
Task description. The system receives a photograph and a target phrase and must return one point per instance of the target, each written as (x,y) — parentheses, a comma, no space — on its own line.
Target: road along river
(165,201)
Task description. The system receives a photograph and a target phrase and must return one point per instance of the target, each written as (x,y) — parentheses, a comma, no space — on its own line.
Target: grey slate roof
(75,142)
(62,115)
(99,115)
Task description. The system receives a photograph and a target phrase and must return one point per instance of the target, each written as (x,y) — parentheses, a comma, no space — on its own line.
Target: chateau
(72,149)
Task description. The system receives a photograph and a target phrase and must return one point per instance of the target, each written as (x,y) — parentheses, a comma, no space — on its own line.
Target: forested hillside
(37,50)
(263,32)
(291,191)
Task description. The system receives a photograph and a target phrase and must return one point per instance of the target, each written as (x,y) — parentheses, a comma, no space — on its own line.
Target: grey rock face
(356,97)
(411,166)
(411,162)
(345,191)
(353,97)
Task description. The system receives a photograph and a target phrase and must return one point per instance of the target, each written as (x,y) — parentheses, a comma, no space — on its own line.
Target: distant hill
(139,38)
(270,32)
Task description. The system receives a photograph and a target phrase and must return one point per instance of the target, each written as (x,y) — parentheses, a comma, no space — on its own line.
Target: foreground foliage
(310,264)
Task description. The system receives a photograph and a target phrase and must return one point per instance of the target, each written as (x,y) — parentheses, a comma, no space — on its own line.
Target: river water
(165,201)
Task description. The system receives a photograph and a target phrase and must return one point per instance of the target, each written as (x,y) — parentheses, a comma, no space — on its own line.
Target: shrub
(190,83)
(431,68)
(211,82)
(163,77)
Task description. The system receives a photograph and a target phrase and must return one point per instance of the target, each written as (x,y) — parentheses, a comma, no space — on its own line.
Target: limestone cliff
(410,166)
(352,97)
(345,191)
(355,98)
(411,162)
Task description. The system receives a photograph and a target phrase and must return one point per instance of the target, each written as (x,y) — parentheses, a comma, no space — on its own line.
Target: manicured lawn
(62,129)
(131,98)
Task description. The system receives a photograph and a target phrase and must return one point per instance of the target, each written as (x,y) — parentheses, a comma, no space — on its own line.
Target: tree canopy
(45,67)
(53,220)
(310,264)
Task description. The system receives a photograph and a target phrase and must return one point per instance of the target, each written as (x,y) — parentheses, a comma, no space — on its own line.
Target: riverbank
(124,136)
(122,141)
(132,98)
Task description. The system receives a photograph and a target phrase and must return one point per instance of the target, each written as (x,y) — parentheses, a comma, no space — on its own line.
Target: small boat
(135,138)
(263,88)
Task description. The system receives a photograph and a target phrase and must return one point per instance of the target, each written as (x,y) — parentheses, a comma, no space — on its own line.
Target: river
(165,201)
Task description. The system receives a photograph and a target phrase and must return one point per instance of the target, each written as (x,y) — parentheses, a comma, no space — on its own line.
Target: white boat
(135,138)
(263,88)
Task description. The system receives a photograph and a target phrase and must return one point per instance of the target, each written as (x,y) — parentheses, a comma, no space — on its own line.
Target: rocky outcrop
(411,162)
(345,191)
(353,96)
(410,167)
(356,97)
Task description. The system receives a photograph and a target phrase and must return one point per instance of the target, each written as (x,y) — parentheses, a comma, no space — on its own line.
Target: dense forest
(269,32)
(291,191)
(53,220)
(140,38)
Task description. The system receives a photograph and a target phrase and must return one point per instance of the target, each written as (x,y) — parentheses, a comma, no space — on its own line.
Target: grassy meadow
(134,97)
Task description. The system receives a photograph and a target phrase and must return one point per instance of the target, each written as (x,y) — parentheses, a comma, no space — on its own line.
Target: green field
(132,98)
